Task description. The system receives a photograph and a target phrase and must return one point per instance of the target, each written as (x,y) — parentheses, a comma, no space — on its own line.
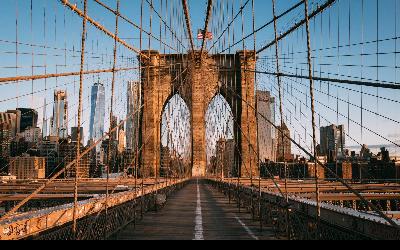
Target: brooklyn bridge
(199,120)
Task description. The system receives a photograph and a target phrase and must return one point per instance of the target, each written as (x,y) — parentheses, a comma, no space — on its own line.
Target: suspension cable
(263,26)
(188,23)
(348,186)
(100,27)
(126,19)
(208,17)
(230,24)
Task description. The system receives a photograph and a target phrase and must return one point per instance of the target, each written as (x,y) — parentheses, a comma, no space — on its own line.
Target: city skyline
(37,35)
(60,109)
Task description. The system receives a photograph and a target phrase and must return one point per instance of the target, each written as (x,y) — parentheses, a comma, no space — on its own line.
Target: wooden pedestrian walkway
(197,212)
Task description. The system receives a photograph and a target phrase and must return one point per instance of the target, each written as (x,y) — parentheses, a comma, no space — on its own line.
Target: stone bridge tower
(198,81)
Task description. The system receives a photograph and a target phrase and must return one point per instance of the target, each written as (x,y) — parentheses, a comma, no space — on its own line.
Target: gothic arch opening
(220,138)
(201,82)
(176,138)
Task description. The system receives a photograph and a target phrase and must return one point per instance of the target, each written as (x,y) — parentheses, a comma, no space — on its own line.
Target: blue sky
(58,30)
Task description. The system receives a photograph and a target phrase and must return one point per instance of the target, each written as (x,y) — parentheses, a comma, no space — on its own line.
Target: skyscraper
(266,132)
(31,134)
(97,113)
(29,118)
(28,168)
(74,135)
(67,152)
(284,148)
(121,141)
(134,103)
(225,155)
(49,149)
(333,141)
(114,124)
(59,121)
(13,119)
(5,140)
(44,125)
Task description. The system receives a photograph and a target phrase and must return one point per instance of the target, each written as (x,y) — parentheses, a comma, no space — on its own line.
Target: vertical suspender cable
(257,118)
(139,102)
(78,148)
(280,88)
(377,55)
(17,48)
(281,111)
(33,55)
(141,113)
(362,69)
(312,95)
(158,126)
(111,133)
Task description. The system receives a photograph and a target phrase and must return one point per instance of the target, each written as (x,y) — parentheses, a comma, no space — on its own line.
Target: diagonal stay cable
(126,19)
(348,186)
(140,149)
(264,26)
(70,165)
(318,11)
(79,12)
(165,23)
(230,24)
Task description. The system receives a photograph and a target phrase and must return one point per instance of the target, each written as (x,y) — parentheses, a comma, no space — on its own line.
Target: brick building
(28,168)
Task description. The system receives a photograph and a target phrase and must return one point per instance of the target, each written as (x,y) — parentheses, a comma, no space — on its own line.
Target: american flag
(201,33)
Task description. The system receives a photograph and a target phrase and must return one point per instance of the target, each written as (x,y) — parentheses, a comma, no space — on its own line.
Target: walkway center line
(251,234)
(198,231)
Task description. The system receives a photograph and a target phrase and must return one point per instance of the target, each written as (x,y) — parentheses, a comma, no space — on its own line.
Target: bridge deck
(189,216)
